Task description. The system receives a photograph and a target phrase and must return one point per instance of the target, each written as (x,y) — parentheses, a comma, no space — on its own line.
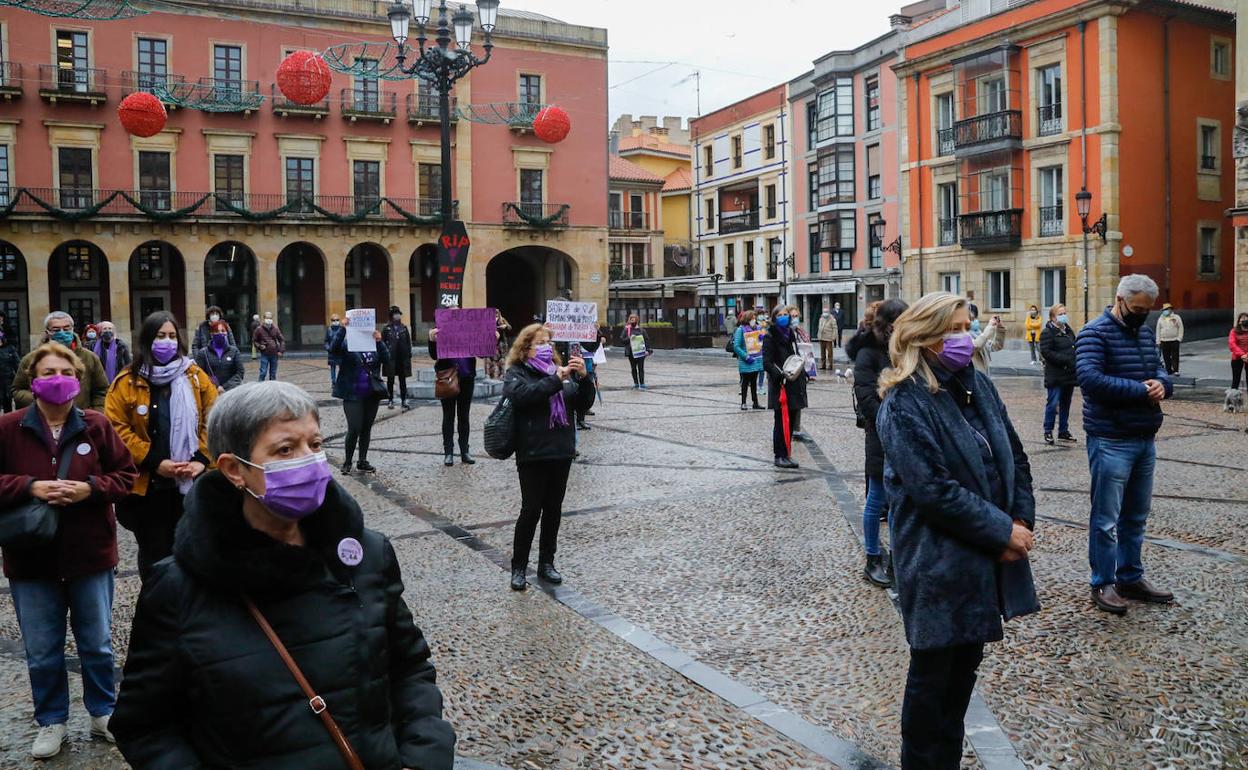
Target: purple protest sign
(465,333)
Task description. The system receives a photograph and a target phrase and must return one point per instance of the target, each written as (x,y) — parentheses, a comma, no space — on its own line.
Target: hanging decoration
(92,10)
(211,95)
(552,124)
(303,77)
(372,60)
(536,221)
(511,114)
(142,114)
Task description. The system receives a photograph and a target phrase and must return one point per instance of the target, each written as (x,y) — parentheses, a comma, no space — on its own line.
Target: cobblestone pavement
(713,615)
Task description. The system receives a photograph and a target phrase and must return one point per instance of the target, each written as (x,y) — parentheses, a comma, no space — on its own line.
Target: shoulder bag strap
(316,702)
(67,455)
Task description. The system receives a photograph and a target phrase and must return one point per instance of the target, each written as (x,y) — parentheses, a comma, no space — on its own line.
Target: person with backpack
(748,364)
(869,351)
(637,351)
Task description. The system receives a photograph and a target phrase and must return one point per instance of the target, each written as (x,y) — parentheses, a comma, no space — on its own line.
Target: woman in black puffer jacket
(546,397)
(203,685)
(869,351)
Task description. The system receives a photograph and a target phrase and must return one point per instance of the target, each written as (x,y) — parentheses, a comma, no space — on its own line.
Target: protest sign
(572,321)
(637,346)
(466,333)
(453,248)
(754,343)
(361,323)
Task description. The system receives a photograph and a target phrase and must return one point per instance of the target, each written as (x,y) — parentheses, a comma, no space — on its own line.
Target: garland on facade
(537,221)
(221,204)
(94,10)
(207,97)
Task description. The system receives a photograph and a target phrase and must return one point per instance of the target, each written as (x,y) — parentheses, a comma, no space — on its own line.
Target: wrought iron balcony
(738,221)
(986,133)
(948,231)
(72,84)
(369,105)
(1051,220)
(1049,119)
(628,272)
(10,80)
(944,141)
(540,215)
(425,108)
(991,230)
(285,108)
(628,220)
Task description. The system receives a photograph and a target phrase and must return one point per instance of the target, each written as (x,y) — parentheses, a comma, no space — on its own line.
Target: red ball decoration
(142,114)
(552,124)
(303,77)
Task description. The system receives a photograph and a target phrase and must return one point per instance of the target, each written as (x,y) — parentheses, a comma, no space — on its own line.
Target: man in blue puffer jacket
(1123,385)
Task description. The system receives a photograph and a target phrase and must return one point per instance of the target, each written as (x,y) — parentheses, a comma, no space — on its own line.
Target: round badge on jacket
(350,552)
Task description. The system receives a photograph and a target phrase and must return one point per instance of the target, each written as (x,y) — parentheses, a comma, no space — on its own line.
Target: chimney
(613,143)
(659,131)
(899,21)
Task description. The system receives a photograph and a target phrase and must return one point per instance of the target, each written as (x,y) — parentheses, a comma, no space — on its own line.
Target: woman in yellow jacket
(159,406)
(1034,326)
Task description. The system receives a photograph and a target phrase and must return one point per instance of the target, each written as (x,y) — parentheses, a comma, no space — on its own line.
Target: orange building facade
(536,212)
(1010,116)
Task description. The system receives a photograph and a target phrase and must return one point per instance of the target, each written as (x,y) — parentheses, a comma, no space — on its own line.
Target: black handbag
(500,431)
(35,522)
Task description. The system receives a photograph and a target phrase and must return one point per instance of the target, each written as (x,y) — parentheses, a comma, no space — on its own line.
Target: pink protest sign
(465,333)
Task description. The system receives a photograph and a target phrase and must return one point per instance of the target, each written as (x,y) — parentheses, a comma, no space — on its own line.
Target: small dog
(1234,402)
(845,375)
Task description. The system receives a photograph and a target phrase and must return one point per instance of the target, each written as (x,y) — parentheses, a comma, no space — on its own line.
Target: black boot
(466,458)
(874,572)
(364,466)
(888,565)
(346,467)
(582,425)
(449,460)
(518,580)
(548,573)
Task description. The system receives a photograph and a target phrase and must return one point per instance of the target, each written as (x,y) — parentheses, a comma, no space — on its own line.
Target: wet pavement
(713,614)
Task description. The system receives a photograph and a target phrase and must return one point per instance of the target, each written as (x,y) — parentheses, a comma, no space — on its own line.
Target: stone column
(266,284)
(119,289)
(335,274)
(38,291)
(194,292)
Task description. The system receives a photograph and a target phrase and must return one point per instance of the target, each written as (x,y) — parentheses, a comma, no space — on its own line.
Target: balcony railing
(1208,264)
(132,81)
(10,80)
(988,132)
(1051,220)
(991,230)
(738,221)
(79,204)
(425,108)
(72,84)
(1049,119)
(944,141)
(541,215)
(1208,162)
(285,107)
(621,272)
(948,231)
(221,94)
(628,220)
(369,105)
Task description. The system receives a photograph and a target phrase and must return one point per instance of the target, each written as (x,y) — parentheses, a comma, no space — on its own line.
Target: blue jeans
(1122,492)
(1057,408)
(41,607)
(333,373)
(268,367)
(871,511)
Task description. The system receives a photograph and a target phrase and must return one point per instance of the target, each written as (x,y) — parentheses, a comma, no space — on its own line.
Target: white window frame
(1052,288)
(951,282)
(1050,181)
(1000,282)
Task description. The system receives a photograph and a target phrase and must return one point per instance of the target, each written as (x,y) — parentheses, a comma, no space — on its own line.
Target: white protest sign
(361,323)
(572,321)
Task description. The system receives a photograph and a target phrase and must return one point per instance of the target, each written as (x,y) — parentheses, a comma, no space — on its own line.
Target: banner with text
(361,323)
(452,259)
(466,333)
(572,321)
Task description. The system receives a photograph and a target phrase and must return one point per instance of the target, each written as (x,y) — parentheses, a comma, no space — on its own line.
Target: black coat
(947,533)
(1057,348)
(10,358)
(350,366)
(530,393)
(204,688)
(330,356)
(398,341)
(870,358)
(228,369)
(203,337)
(775,352)
(441,364)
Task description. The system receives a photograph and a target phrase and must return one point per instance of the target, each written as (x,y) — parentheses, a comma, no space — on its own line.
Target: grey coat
(947,535)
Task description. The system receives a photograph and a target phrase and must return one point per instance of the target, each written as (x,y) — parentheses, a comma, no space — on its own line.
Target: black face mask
(1243,324)
(1132,320)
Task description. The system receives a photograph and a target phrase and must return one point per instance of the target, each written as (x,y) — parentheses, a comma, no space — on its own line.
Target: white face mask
(214,318)
(268,322)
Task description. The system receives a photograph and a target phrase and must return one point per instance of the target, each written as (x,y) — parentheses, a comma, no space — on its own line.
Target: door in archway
(301,295)
(368,279)
(13,297)
(423,278)
(513,287)
(230,283)
(78,283)
(158,282)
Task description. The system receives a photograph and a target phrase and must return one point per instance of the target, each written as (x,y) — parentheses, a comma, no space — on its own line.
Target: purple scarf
(110,358)
(558,411)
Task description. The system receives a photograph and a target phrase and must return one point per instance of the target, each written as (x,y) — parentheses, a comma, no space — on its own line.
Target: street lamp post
(1083,206)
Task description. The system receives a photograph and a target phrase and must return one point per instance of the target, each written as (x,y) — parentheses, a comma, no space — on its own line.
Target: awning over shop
(824,287)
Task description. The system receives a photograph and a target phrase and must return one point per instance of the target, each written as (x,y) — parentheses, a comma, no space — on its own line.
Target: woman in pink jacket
(1238,343)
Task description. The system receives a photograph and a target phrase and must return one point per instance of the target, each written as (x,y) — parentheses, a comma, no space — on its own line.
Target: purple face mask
(164,350)
(295,488)
(57,389)
(544,353)
(959,348)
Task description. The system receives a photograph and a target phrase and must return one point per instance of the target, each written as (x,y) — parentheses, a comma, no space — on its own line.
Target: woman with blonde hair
(961,515)
(546,396)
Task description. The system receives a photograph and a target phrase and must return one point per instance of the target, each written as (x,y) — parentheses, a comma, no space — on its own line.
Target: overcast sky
(740,47)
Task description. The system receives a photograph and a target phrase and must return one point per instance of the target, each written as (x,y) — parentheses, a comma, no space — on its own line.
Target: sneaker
(758,407)
(390,403)
(1067,437)
(1048,437)
(48,741)
(407,407)
(346,468)
(99,728)
(744,408)
(643,386)
(364,466)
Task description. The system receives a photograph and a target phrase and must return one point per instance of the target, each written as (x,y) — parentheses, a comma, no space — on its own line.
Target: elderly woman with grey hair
(272,555)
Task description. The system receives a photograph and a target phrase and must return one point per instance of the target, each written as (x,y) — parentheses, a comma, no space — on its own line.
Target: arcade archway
(78,283)
(368,278)
(157,282)
(519,281)
(301,295)
(230,283)
(14,300)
